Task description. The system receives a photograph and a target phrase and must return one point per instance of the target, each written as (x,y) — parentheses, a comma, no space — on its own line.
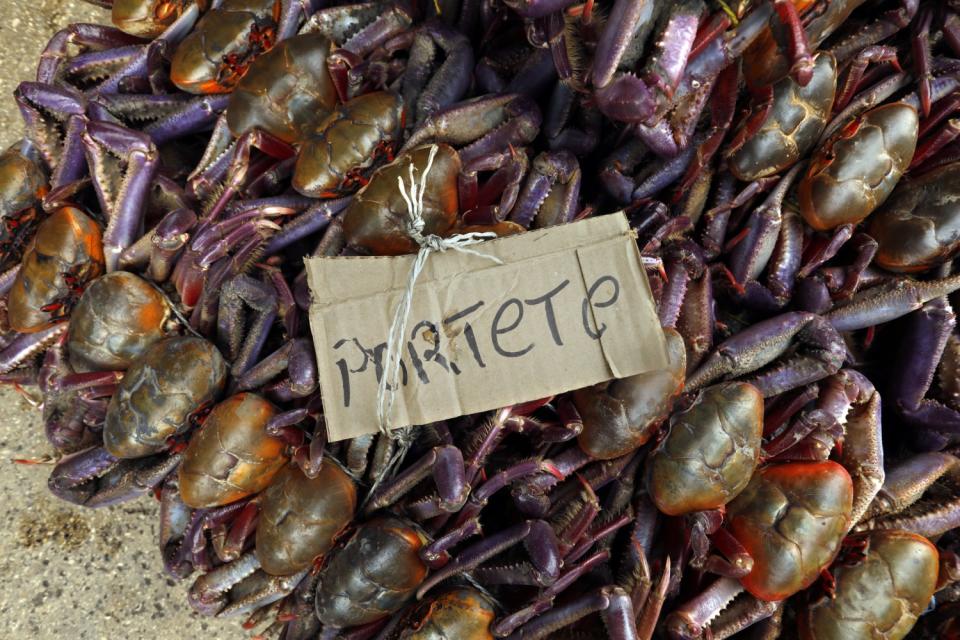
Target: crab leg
(66,159)
(926,334)
(769,340)
(88,35)
(445,464)
(125,207)
(93,478)
(889,301)
(425,95)
(538,538)
(614,606)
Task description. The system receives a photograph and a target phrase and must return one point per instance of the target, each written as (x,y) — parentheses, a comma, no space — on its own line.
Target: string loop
(412,194)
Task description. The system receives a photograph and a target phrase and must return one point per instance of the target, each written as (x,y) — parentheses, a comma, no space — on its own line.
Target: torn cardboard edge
(569,307)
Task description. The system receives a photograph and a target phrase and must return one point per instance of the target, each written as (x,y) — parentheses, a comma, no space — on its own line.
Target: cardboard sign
(569,307)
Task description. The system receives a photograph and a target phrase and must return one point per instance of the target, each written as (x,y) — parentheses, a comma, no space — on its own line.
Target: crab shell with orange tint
(791,518)
(64,255)
(118,317)
(232,456)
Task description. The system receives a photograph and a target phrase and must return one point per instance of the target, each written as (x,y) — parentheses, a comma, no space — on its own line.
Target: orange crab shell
(791,518)
(232,456)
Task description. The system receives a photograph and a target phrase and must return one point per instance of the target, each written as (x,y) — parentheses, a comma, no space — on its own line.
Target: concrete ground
(67,572)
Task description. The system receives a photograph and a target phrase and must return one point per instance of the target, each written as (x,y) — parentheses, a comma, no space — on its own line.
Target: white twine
(413,198)
(390,380)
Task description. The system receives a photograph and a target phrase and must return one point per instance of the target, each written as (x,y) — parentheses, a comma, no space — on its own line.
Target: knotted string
(389,382)
(413,197)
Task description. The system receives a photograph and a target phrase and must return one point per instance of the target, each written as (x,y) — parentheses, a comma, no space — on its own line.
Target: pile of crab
(792,173)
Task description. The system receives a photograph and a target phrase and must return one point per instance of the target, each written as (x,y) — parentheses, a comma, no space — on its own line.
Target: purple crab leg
(579,137)
(214,163)
(544,601)
(96,63)
(65,160)
(296,357)
(175,520)
(518,118)
(93,478)
(437,553)
(424,92)
(538,538)
(690,619)
(614,606)
(198,114)
(478,499)
(168,241)
(293,14)
(785,261)
(625,20)
(90,35)
(750,256)
(889,301)
(445,464)
(140,65)
(682,264)
(313,220)
(125,207)
(7,278)
(28,345)
(623,160)
(241,344)
(923,342)
(208,594)
(668,172)
(820,354)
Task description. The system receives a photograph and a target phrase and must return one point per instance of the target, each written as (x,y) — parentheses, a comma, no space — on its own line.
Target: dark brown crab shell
(857,169)
(301,517)
(199,63)
(621,415)
(118,317)
(710,452)
(287,91)
(63,256)
(880,595)
(347,141)
(373,575)
(797,117)
(919,226)
(160,391)
(375,220)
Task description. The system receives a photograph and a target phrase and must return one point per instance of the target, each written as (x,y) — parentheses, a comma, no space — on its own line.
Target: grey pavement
(67,572)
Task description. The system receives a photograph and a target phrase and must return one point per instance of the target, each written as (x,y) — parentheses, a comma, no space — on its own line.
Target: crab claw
(486,125)
(889,301)
(239,587)
(551,193)
(626,99)
(925,339)
(94,478)
(909,499)
(820,353)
